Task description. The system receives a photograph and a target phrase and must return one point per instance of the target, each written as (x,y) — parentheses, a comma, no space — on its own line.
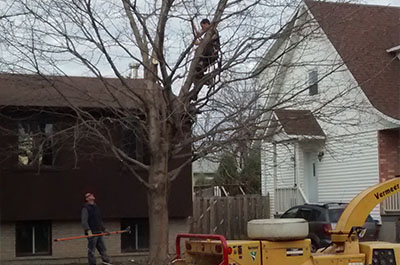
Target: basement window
(313,82)
(138,239)
(33,238)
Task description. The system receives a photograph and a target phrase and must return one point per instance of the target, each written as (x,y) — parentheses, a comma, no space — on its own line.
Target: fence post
(240,216)
(196,216)
(203,216)
(222,215)
(267,209)
(229,217)
(207,216)
(258,202)
(234,218)
(245,214)
(212,215)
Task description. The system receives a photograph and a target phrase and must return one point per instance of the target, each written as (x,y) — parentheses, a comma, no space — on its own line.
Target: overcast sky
(383,2)
(71,68)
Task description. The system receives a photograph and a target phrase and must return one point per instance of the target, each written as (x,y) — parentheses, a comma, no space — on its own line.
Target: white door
(311,176)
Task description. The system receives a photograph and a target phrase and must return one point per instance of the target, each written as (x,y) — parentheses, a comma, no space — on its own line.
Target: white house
(332,91)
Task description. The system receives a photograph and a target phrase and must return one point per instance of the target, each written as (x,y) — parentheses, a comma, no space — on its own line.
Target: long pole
(128,230)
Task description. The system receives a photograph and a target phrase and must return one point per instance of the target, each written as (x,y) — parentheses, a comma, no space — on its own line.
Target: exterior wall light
(320,155)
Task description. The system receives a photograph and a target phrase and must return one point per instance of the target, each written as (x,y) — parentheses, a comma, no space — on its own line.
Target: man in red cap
(93,224)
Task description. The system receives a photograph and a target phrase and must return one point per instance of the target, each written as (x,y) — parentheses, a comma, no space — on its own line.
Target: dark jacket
(91,219)
(212,48)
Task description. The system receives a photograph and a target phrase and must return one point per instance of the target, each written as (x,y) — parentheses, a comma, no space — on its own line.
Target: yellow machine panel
(240,252)
(286,252)
(244,252)
(338,259)
(381,253)
(203,252)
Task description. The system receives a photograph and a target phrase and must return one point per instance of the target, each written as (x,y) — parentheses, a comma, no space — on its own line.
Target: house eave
(307,137)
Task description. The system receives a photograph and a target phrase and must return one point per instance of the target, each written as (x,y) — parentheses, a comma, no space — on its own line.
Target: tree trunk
(158,177)
(158,214)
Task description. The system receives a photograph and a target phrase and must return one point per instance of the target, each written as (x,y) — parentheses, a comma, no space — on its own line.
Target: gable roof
(61,91)
(361,34)
(299,122)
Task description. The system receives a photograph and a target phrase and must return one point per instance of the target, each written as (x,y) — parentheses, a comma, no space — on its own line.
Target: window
(138,239)
(334,214)
(315,216)
(291,213)
(132,144)
(33,238)
(35,144)
(313,82)
(305,214)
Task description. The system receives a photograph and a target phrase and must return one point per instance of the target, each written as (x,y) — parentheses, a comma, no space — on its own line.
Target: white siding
(350,122)
(285,169)
(349,166)
(300,167)
(267,172)
(285,165)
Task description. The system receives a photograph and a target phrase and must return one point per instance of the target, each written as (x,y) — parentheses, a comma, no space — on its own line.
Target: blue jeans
(97,242)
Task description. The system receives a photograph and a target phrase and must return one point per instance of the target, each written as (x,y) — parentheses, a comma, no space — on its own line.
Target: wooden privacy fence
(228,216)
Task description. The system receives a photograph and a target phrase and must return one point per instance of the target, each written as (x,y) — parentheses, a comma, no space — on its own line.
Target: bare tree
(52,37)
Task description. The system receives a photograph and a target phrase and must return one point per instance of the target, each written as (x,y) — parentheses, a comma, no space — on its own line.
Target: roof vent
(395,50)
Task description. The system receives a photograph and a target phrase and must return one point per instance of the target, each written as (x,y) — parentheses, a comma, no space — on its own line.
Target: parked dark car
(322,218)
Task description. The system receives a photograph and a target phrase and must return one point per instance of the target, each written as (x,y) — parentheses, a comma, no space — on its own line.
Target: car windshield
(334,214)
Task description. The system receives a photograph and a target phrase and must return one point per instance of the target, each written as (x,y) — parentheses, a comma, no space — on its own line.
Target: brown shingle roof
(361,34)
(299,122)
(59,91)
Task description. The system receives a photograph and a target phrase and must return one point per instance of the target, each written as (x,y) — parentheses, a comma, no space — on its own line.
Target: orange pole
(100,234)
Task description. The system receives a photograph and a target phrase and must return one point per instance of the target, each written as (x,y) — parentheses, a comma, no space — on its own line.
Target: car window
(305,214)
(317,215)
(322,215)
(334,214)
(291,213)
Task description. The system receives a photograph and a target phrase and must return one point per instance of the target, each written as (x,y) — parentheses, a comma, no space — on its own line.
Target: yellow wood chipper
(284,242)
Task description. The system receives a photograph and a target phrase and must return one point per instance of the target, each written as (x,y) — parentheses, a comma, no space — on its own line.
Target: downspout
(275,172)
(294,165)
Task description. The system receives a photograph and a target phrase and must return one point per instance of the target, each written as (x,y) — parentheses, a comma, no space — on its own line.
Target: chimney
(134,67)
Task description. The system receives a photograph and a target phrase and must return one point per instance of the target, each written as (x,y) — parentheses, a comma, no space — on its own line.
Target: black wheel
(314,247)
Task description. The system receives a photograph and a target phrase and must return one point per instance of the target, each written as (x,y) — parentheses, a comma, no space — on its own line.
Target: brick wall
(75,251)
(176,226)
(7,241)
(389,147)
